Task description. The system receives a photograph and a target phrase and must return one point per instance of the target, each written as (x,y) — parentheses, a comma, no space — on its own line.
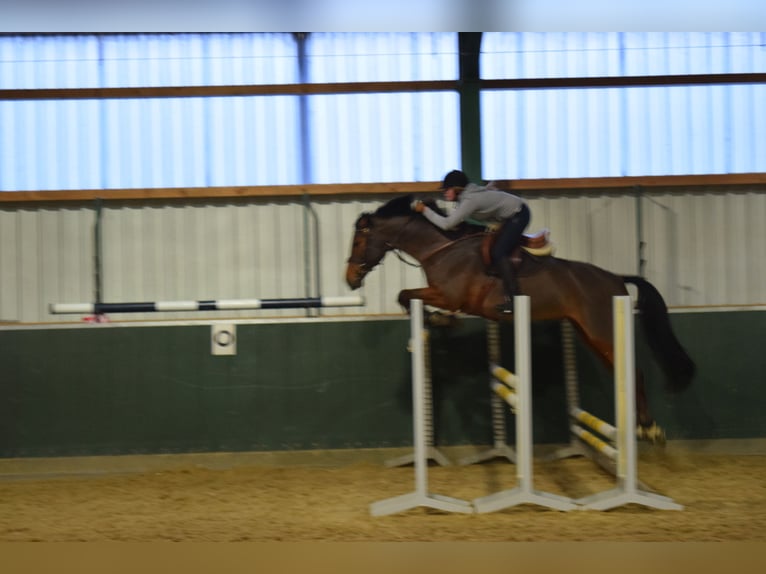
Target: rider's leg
(509,284)
(508,238)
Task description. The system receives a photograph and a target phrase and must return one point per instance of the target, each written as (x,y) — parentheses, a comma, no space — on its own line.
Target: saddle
(537,244)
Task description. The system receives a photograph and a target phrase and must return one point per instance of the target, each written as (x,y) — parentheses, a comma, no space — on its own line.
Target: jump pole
(420,496)
(205,305)
(598,453)
(626,490)
(524,493)
(582,442)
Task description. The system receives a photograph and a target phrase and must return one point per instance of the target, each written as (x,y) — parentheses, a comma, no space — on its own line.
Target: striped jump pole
(206,305)
(420,496)
(594,440)
(500,447)
(523,493)
(627,490)
(601,427)
(504,385)
(598,446)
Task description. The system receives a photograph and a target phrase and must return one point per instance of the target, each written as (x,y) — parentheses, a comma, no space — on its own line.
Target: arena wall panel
(333,384)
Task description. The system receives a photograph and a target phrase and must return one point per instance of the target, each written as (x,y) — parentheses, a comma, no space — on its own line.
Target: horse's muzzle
(355,273)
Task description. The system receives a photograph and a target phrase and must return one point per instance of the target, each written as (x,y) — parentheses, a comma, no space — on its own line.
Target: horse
(460,279)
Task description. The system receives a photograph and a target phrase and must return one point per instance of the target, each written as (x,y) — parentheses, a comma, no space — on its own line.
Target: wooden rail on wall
(554,186)
(379,87)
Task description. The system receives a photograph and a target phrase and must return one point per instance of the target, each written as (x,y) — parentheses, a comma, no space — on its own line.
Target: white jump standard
(432,453)
(627,490)
(524,493)
(211,305)
(421,496)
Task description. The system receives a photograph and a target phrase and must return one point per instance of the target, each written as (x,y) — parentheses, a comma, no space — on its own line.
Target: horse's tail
(655,320)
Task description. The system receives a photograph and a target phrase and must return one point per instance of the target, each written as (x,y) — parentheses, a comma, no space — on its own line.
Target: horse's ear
(363,222)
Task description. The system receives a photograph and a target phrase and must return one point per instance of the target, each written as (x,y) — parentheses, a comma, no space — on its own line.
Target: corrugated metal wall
(266,249)
(707,249)
(179,252)
(46,254)
(203,251)
(700,249)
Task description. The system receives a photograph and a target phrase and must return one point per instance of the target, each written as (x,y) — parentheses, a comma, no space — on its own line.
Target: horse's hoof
(438,319)
(653,433)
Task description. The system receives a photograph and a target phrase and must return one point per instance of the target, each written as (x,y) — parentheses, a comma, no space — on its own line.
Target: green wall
(158,389)
(110,389)
(727,396)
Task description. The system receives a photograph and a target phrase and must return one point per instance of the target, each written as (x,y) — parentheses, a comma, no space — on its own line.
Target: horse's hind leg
(648,429)
(604,349)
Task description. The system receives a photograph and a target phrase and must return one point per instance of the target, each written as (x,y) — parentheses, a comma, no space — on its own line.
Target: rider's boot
(509,285)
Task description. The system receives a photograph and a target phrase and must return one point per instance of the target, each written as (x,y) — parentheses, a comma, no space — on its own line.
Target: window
(225,141)
(628,131)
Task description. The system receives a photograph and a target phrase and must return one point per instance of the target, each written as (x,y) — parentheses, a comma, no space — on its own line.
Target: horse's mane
(396,207)
(401,205)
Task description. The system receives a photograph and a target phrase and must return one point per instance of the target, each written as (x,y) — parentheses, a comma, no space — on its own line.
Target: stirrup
(506,307)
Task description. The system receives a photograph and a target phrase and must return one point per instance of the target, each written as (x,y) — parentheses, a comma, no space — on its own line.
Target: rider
(486,206)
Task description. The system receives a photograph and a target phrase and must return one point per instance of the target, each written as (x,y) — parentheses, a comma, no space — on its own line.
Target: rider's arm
(461,212)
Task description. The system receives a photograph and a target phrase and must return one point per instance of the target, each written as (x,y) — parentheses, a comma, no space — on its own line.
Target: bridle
(390,246)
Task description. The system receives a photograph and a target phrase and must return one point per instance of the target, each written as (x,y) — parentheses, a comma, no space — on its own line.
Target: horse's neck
(420,239)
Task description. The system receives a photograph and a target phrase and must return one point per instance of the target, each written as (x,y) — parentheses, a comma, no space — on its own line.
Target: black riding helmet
(455,178)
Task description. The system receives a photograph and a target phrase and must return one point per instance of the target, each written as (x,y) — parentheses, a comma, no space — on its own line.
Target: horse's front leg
(429,295)
(433,297)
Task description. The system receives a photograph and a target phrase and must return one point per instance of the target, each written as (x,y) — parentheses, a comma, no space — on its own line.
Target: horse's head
(366,251)
(374,235)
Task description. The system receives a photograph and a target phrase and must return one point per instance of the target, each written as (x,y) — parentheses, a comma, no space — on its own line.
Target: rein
(397,250)
(445,246)
(398,254)
(428,255)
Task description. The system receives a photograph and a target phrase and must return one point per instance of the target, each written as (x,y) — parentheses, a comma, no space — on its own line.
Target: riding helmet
(455,178)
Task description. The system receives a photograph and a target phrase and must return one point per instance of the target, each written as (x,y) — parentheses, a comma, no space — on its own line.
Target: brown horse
(459,280)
